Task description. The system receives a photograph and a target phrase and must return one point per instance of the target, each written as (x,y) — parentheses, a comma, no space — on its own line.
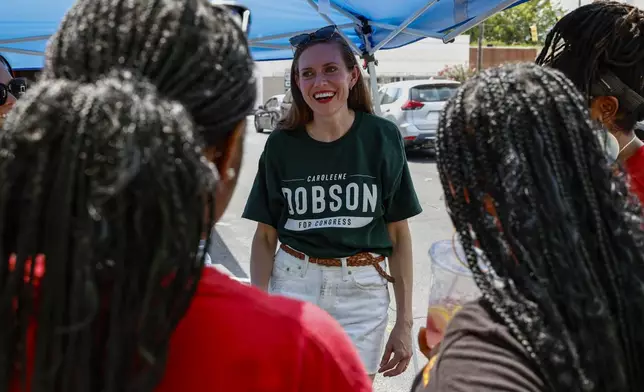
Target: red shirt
(238,338)
(635,168)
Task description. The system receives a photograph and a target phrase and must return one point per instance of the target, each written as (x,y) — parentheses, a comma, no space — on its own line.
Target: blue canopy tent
(368,25)
(25,27)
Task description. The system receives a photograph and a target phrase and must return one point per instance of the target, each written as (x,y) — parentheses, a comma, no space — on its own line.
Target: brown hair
(300,113)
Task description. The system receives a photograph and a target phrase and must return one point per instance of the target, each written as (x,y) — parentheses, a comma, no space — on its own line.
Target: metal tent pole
(479,55)
(373,81)
(368,56)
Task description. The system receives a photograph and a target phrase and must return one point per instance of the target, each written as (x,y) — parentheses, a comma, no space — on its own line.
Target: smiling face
(5,78)
(324,78)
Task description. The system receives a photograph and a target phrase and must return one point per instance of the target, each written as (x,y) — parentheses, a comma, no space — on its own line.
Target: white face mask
(609,145)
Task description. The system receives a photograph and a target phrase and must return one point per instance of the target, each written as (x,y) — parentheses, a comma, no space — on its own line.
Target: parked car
(414,106)
(267,115)
(286,102)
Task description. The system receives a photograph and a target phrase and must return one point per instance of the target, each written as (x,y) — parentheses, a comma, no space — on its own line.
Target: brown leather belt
(360,260)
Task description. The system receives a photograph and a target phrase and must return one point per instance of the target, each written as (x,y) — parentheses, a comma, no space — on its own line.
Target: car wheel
(257,127)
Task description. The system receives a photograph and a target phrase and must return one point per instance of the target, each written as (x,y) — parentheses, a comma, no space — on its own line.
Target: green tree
(512,27)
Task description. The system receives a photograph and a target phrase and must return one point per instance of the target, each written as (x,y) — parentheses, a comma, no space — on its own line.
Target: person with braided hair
(206,67)
(114,167)
(551,235)
(600,47)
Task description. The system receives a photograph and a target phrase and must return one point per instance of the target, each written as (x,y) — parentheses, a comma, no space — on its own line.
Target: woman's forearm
(401,266)
(262,255)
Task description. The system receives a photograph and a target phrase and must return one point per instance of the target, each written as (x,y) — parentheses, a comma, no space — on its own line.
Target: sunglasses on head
(16,87)
(321,35)
(239,13)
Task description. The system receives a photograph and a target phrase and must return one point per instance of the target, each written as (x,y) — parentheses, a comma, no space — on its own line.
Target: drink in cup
(451,286)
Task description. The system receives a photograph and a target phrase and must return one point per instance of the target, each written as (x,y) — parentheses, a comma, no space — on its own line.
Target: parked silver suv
(414,105)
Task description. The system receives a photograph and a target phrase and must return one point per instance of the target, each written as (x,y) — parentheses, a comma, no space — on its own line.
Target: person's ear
(604,109)
(228,161)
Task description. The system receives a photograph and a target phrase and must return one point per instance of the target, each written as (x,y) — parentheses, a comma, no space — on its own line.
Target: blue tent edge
(387,48)
(18,22)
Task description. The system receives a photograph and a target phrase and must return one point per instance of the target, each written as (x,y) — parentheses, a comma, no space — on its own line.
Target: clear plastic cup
(451,286)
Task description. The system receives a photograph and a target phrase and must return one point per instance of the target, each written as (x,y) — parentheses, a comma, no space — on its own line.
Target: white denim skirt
(357,297)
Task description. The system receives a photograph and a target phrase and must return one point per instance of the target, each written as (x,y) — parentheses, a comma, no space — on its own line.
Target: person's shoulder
(375,121)
(279,332)
(286,316)
(276,137)
(280,139)
(636,161)
(474,333)
(330,361)
(378,128)
(239,336)
(473,316)
(226,293)
(291,315)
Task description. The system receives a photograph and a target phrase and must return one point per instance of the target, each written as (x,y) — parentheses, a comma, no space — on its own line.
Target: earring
(230,173)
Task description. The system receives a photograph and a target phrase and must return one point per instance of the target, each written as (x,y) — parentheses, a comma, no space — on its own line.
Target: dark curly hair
(106,181)
(103,180)
(527,183)
(192,51)
(595,38)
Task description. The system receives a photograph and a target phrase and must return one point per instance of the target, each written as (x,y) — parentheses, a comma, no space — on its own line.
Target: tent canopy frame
(364,28)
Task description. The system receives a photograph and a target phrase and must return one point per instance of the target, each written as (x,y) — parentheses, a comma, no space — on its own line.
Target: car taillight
(412,105)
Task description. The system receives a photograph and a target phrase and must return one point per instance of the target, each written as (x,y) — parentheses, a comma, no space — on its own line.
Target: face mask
(609,145)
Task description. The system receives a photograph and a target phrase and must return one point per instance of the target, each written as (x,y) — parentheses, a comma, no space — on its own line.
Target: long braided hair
(117,195)
(598,37)
(562,263)
(191,50)
(105,192)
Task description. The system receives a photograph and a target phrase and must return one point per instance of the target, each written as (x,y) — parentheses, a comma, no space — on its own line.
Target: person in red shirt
(105,198)
(600,47)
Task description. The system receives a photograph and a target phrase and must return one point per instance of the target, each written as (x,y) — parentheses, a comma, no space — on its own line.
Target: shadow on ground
(421,157)
(221,254)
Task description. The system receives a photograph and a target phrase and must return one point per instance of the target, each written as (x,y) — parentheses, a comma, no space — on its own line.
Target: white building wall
(425,57)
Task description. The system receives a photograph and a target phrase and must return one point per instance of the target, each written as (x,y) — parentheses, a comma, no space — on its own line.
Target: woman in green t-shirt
(333,186)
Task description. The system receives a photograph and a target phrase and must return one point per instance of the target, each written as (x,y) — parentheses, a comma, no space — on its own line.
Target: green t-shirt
(332,200)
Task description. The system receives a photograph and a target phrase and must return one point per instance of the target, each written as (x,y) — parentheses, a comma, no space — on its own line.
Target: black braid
(598,37)
(565,248)
(192,51)
(107,182)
